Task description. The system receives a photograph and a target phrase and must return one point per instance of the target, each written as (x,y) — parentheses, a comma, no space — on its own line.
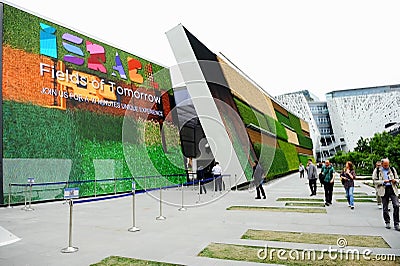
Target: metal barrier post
(161,217)
(182,208)
(95,189)
(70,248)
(115,186)
(199,192)
(235,183)
(214,186)
(30,198)
(133,228)
(25,207)
(9,195)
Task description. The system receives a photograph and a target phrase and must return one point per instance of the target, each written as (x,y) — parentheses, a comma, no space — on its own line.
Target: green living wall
(285,157)
(86,138)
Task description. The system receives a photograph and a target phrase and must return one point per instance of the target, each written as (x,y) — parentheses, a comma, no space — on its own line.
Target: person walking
(328,175)
(312,177)
(258,175)
(301,170)
(217,172)
(347,176)
(387,181)
(375,176)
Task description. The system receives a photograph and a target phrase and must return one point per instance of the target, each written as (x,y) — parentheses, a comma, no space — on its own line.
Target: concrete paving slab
(100,229)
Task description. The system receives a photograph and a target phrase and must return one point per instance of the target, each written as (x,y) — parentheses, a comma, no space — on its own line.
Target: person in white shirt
(217,172)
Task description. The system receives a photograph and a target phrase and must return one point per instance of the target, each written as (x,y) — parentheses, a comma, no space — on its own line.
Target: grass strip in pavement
(338,185)
(276,209)
(365,196)
(292,257)
(316,238)
(122,261)
(343,193)
(357,200)
(305,204)
(300,199)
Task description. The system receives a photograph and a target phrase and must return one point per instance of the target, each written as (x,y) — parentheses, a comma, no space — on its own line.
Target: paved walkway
(100,228)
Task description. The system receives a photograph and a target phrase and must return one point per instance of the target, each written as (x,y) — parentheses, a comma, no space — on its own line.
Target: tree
(363,145)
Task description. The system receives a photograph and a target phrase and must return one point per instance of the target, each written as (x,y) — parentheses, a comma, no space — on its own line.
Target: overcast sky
(284,46)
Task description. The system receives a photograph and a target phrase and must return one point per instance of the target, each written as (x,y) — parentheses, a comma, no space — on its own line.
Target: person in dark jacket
(312,177)
(258,175)
(328,175)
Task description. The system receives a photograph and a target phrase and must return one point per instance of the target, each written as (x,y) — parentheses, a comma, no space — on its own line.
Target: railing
(145,183)
(96,186)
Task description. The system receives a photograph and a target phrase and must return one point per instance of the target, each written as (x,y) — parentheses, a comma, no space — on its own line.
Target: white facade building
(363,112)
(297,104)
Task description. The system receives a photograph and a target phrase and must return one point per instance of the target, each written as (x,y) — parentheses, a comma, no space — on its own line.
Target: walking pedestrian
(347,176)
(328,175)
(258,175)
(312,177)
(301,170)
(387,181)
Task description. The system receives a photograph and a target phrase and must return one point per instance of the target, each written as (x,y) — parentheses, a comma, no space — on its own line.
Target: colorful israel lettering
(97,56)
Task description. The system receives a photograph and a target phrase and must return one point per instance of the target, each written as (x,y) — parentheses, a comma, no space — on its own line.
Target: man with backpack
(386,180)
(328,175)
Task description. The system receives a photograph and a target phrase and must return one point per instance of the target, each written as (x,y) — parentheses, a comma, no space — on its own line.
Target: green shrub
(280,131)
(304,141)
(290,153)
(295,123)
(32,131)
(283,119)
(251,116)
(271,124)
(304,159)
(265,153)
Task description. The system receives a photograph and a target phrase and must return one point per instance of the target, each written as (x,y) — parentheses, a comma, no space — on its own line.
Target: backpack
(321,177)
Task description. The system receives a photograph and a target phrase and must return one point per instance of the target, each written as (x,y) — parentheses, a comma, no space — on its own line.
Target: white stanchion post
(30,198)
(9,196)
(160,217)
(198,201)
(70,248)
(214,186)
(235,183)
(182,208)
(25,191)
(95,187)
(133,228)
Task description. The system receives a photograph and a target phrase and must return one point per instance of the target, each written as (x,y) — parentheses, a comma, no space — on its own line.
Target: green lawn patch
(276,209)
(365,196)
(293,257)
(122,261)
(300,199)
(316,238)
(338,185)
(344,193)
(357,200)
(305,204)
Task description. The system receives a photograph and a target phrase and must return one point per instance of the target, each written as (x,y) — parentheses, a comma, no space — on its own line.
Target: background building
(307,106)
(363,112)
